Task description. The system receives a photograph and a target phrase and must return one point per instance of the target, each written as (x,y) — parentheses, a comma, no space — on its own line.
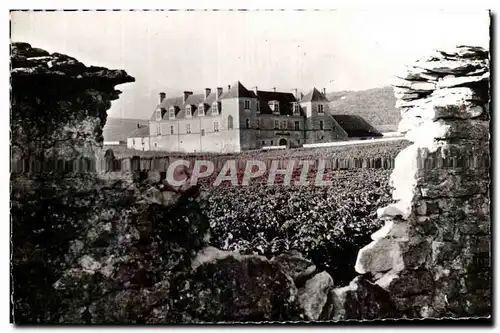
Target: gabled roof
(238,90)
(314,96)
(193,100)
(285,100)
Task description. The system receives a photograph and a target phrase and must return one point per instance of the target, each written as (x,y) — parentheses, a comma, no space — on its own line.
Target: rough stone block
(380,256)
(444,251)
(360,300)
(410,283)
(313,296)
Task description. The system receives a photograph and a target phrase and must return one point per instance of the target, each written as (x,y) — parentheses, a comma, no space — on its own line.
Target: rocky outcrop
(433,254)
(58,104)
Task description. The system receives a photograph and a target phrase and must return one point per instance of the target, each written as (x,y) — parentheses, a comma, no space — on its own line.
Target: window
(257,123)
(296,108)
(284,124)
(215,108)
(276,124)
(216,126)
(201,110)
(275,106)
(247,105)
(271,142)
(171,113)
(230,122)
(171,129)
(188,128)
(202,132)
(258,106)
(320,108)
(156,144)
(142,141)
(158,130)
(133,142)
(297,126)
(263,142)
(247,123)
(321,124)
(188,111)
(158,114)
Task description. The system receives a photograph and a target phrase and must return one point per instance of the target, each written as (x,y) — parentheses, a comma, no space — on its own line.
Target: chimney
(295,93)
(138,125)
(324,92)
(301,95)
(162,96)
(274,89)
(255,89)
(185,96)
(219,92)
(207,92)
(228,87)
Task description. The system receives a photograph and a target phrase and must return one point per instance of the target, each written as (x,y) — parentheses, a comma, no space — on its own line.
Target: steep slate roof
(238,90)
(140,132)
(285,100)
(355,126)
(314,96)
(194,100)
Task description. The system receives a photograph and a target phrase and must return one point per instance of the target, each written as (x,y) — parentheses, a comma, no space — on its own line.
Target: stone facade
(433,254)
(242,120)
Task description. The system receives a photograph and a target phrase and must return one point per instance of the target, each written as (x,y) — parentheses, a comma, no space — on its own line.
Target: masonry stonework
(433,254)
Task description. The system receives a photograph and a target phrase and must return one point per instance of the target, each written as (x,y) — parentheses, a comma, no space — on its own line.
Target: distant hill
(118,129)
(376,106)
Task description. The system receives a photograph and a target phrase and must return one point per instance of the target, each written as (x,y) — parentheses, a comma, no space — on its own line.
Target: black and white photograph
(246,166)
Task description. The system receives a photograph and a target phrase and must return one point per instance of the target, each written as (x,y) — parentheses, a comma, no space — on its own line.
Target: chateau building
(240,119)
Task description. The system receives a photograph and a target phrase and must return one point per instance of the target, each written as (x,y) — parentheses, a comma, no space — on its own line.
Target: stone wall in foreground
(433,254)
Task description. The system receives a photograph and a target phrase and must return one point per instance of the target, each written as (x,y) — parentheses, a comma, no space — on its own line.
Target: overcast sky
(177,51)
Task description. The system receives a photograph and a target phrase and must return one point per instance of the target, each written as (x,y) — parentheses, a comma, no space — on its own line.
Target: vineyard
(327,224)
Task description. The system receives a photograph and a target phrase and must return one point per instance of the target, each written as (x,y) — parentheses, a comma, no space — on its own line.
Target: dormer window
(188,111)
(296,108)
(275,106)
(258,106)
(215,108)
(247,105)
(320,108)
(201,109)
(171,113)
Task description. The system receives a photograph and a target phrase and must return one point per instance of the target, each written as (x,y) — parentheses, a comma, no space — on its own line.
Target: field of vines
(327,224)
